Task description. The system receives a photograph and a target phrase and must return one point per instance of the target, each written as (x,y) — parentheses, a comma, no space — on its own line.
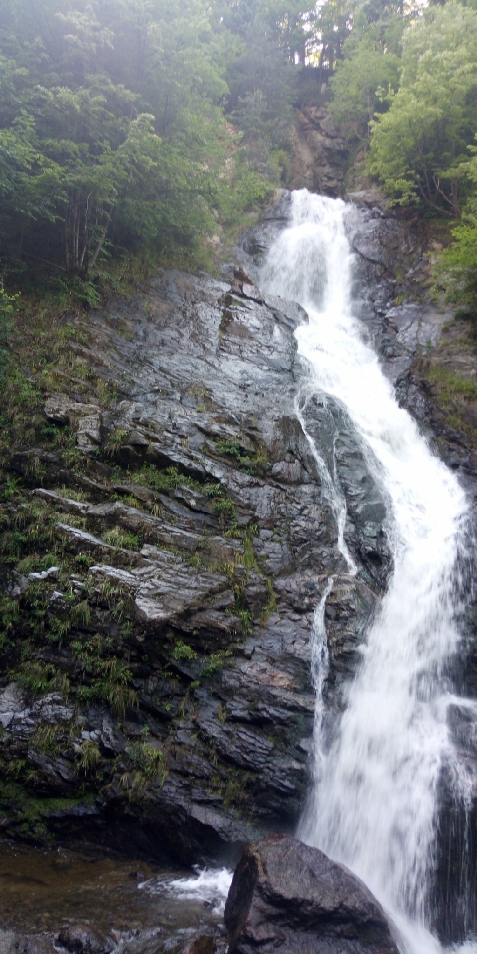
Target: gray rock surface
(12,942)
(320,153)
(204,542)
(84,939)
(288,897)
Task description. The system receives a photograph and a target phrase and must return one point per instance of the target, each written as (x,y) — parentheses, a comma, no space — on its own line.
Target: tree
(112,131)
(418,147)
(456,269)
(334,24)
(358,84)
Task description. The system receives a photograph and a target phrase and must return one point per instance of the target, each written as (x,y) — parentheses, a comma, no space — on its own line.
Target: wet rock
(84,939)
(12,942)
(84,418)
(12,704)
(183,942)
(200,590)
(286,896)
(55,774)
(320,153)
(60,409)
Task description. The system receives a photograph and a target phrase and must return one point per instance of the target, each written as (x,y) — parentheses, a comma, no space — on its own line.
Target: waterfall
(374,801)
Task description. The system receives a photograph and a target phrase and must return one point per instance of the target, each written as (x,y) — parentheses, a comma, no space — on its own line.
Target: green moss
(453,394)
(271,604)
(451,385)
(18,804)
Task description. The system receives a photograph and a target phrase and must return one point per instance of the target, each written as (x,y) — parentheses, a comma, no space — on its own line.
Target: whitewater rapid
(374,799)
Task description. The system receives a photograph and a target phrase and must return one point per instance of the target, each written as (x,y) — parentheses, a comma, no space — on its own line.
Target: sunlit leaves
(418,146)
(112,133)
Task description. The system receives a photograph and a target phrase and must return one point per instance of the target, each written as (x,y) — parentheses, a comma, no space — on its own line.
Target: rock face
(159,695)
(287,897)
(320,154)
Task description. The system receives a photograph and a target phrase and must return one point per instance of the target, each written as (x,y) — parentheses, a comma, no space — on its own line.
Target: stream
(42,890)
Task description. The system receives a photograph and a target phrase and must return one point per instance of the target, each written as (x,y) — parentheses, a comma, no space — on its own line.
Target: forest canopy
(406,87)
(133,126)
(115,129)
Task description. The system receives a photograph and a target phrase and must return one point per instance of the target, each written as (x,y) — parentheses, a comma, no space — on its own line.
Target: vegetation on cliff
(407,86)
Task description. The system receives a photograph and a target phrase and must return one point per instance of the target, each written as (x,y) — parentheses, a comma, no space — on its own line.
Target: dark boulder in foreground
(84,939)
(287,897)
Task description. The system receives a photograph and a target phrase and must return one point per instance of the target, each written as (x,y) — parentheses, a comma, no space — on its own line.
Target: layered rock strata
(156,692)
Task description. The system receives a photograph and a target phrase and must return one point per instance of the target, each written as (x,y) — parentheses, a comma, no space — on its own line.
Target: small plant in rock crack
(104,678)
(147,768)
(88,757)
(215,662)
(148,759)
(224,506)
(45,739)
(183,651)
(247,461)
(40,677)
(116,438)
(122,539)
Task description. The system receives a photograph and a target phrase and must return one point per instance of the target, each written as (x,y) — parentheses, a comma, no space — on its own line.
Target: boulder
(84,939)
(287,897)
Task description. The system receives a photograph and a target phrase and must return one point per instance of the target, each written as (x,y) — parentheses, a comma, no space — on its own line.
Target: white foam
(207,885)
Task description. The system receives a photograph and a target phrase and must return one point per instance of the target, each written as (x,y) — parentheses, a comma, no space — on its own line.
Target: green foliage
(183,651)
(46,739)
(215,662)
(366,70)
(112,135)
(247,461)
(453,394)
(9,614)
(419,146)
(334,25)
(39,678)
(456,268)
(106,678)
(164,481)
(8,307)
(149,760)
(122,538)
(88,757)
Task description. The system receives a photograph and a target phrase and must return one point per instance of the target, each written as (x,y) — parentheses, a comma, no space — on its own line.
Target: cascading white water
(373,806)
